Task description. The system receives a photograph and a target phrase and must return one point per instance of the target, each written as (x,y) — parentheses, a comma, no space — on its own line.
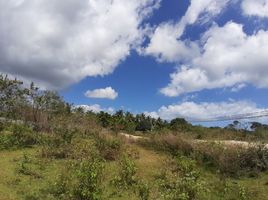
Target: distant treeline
(42,108)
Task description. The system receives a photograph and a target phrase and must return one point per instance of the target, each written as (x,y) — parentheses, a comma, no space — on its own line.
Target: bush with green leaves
(89,179)
(80,180)
(18,136)
(127,172)
(143,190)
(182,182)
(58,144)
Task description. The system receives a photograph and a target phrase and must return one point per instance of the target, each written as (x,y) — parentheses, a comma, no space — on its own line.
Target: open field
(50,150)
(26,174)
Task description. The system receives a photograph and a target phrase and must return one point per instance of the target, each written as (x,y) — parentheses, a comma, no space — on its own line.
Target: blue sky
(191,58)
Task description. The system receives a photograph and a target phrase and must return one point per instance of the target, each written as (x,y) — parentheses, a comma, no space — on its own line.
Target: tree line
(30,104)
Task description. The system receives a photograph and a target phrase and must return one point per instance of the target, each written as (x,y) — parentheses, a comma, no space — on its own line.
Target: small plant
(61,188)
(183,183)
(89,178)
(242,193)
(127,173)
(24,167)
(143,190)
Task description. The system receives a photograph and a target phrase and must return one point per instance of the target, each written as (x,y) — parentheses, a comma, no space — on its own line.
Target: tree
(12,97)
(143,123)
(104,119)
(179,124)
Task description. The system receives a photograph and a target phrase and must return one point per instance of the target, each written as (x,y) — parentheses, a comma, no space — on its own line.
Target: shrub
(173,144)
(108,146)
(65,134)
(143,190)
(183,182)
(24,136)
(126,177)
(7,141)
(18,136)
(233,160)
(79,180)
(58,145)
(89,178)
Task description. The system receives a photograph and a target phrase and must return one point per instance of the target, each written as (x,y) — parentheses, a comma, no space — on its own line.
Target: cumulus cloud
(165,47)
(57,43)
(96,108)
(103,93)
(224,57)
(257,8)
(165,43)
(229,57)
(200,111)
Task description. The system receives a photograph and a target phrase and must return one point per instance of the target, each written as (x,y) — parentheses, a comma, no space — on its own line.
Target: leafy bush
(58,145)
(79,180)
(126,177)
(182,182)
(18,136)
(89,178)
(61,187)
(143,190)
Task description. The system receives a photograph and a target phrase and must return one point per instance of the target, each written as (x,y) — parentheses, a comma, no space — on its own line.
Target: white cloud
(151,114)
(57,43)
(200,111)
(229,57)
(238,87)
(105,93)
(224,57)
(96,108)
(257,8)
(165,44)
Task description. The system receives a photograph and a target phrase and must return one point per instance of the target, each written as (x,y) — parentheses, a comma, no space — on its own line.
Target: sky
(196,59)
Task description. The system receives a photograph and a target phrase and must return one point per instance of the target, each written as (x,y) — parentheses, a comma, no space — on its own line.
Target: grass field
(24,175)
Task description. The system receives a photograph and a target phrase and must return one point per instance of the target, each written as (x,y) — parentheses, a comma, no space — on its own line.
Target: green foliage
(61,189)
(25,167)
(18,136)
(143,190)
(242,193)
(81,180)
(109,147)
(179,124)
(127,172)
(89,176)
(58,144)
(11,97)
(183,183)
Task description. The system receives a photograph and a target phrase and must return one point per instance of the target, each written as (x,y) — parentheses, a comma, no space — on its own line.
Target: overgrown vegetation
(52,150)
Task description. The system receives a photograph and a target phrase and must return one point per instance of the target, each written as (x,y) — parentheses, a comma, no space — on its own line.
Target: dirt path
(224,142)
(233,143)
(131,137)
